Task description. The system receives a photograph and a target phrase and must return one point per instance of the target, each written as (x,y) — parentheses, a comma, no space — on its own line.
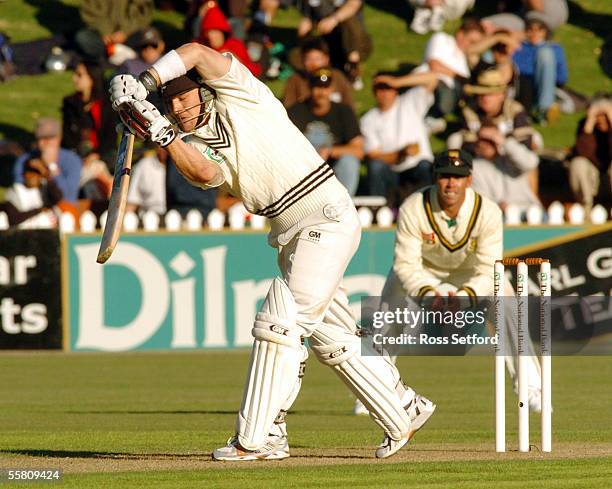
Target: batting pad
(274,366)
(373,379)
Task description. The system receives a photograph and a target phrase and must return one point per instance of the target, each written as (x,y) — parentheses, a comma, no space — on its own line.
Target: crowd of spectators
(481,88)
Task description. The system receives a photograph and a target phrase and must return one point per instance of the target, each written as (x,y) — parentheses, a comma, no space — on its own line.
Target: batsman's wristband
(148,80)
(169,67)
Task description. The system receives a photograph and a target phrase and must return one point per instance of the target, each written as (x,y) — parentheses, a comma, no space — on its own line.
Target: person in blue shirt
(542,67)
(64,166)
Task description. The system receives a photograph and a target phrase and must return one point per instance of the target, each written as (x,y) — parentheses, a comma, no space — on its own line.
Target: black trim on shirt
(473,218)
(303,188)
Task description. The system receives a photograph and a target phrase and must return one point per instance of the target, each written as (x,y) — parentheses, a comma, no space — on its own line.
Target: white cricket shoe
(419,410)
(275,448)
(437,19)
(420,21)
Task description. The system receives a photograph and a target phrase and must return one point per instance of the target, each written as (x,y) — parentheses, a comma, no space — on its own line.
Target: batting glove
(124,88)
(144,120)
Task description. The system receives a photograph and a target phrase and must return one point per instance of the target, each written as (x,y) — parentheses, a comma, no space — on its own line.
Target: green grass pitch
(136,419)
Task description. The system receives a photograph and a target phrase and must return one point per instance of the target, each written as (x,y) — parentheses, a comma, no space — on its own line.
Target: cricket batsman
(447,240)
(233,132)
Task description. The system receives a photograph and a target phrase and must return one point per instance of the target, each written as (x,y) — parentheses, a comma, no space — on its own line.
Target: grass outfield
(126,420)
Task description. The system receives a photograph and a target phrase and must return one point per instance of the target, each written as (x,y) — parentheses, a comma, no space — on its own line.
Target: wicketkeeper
(448,238)
(233,132)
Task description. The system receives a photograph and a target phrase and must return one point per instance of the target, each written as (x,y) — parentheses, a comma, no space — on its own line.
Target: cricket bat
(118,198)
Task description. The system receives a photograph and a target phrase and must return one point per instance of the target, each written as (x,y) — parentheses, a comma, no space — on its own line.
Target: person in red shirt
(216,32)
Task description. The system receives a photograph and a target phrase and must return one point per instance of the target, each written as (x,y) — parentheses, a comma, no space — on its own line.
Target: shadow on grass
(96,454)
(56,16)
(34,452)
(597,22)
(17,134)
(300,412)
(400,9)
(119,411)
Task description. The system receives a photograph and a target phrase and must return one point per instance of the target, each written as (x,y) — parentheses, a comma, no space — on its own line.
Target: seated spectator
(340,22)
(554,12)
(315,55)
(88,119)
(64,165)
(216,32)
(111,27)
(182,196)
(331,128)
(495,51)
(592,154)
(504,180)
(148,183)
(446,56)
(513,132)
(29,204)
(396,141)
(430,15)
(542,67)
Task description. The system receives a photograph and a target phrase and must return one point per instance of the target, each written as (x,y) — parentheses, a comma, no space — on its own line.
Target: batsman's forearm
(192,165)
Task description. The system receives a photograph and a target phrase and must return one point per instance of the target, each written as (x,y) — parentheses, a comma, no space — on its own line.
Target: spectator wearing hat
(29,203)
(340,22)
(396,140)
(507,122)
(216,33)
(554,13)
(150,46)
(63,165)
(314,56)
(592,154)
(331,128)
(542,68)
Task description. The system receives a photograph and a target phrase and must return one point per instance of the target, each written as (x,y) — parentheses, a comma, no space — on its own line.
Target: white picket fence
(372,211)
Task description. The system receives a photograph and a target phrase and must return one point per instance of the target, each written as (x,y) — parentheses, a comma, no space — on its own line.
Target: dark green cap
(453,162)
